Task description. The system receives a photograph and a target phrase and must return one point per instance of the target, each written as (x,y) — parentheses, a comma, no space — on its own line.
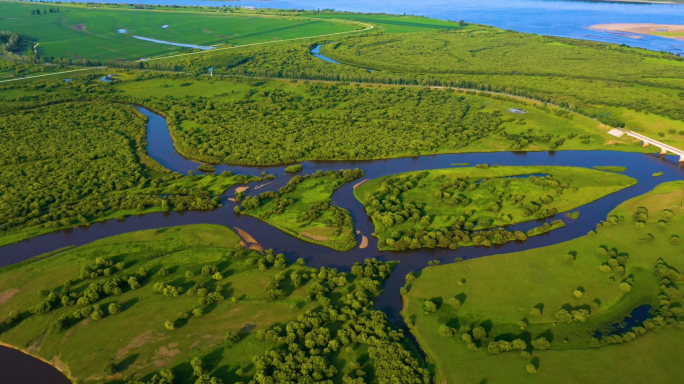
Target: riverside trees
(67,164)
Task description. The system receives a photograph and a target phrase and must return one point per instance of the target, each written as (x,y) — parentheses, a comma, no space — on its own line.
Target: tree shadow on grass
(548,335)
(454,323)
(462,297)
(126,362)
(438,301)
(535,362)
(487,325)
(214,358)
(129,303)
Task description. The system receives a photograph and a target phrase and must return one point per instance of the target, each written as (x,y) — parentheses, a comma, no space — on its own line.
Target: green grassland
(567,71)
(77,32)
(303,210)
(660,128)
(500,294)
(583,76)
(395,23)
(476,198)
(196,293)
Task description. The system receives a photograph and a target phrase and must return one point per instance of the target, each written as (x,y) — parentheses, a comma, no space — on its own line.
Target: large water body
(544,17)
(161,148)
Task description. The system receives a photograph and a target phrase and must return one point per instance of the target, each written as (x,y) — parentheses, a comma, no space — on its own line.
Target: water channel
(161,148)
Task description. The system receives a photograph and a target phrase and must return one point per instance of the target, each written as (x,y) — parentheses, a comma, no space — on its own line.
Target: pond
(161,148)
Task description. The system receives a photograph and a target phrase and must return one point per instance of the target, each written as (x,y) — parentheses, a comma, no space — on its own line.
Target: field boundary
(368,28)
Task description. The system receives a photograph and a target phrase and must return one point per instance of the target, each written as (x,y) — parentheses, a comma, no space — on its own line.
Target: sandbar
(670,31)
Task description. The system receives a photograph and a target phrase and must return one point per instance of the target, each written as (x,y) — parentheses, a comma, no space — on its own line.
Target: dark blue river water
(544,17)
(161,148)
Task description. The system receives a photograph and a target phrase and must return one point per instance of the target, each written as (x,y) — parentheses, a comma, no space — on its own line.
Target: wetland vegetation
(189,304)
(194,304)
(468,206)
(67,165)
(302,208)
(494,312)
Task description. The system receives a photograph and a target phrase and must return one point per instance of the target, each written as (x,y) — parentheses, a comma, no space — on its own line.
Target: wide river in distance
(543,17)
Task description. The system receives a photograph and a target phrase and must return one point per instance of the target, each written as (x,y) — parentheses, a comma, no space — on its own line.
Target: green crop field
(411,208)
(191,303)
(91,33)
(396,24)
(563,293)
(302,209)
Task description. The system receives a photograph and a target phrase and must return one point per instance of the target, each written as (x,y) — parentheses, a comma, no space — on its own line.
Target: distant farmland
(98,34)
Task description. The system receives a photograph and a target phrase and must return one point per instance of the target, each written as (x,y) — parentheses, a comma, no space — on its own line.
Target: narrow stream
(161,148)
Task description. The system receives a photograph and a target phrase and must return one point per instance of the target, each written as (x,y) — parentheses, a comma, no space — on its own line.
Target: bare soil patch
(313,236)
(7,295)
(139,341)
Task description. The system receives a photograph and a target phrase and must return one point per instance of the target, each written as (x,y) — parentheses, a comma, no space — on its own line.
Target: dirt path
(7,295)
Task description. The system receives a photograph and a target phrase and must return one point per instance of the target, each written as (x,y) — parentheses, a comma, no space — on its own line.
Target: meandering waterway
(161,148)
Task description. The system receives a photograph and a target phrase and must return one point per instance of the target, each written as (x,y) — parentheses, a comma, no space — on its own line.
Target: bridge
(664,148)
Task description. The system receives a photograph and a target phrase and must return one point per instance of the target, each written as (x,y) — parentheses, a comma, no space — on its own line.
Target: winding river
(22,369)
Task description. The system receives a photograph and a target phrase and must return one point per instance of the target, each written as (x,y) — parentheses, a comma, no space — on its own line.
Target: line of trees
(45,11)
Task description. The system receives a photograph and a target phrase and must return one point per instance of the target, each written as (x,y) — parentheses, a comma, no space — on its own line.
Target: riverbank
(60,367)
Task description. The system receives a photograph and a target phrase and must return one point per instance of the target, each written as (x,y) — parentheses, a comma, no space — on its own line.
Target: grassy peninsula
(302,209)
(491,314)
(443,207)
(189,303)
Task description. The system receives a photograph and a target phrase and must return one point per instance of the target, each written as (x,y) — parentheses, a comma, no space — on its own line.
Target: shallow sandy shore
(359,183)
(248,238)
(364,243)
(643,28)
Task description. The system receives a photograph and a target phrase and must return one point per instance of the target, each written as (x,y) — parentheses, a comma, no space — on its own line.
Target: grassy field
(141,344)
(500,293)
(195,285)
(77,32)
(478,198)
(396,23)
(302,209)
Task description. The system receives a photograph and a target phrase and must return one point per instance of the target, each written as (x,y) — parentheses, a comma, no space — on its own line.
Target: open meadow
(569,294)
(191,303)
